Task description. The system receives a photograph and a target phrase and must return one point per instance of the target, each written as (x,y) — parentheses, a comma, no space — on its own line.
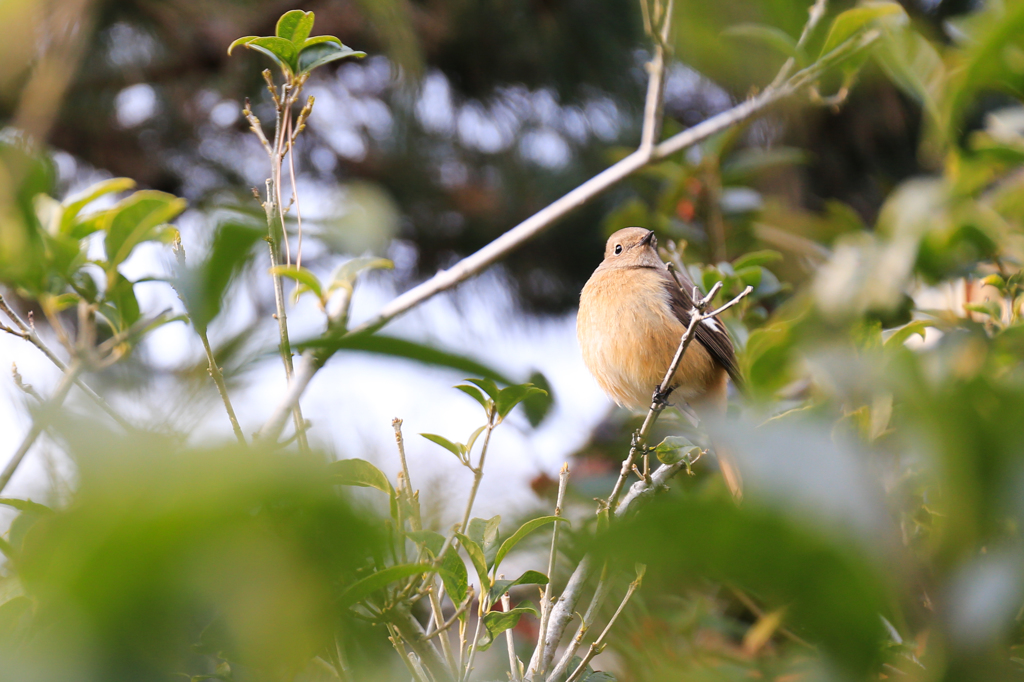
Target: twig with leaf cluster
(297,55)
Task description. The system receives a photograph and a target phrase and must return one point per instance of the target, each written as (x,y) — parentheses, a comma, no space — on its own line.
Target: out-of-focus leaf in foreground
(163,548)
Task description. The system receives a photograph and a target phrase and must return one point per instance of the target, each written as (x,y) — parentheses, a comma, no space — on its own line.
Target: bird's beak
(646,241)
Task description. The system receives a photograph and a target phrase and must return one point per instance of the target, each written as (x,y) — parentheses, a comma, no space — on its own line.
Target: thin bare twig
(40,422)
(599,644)
(815,13)
(513,660)
(545,604)
(28,333)
(600,592)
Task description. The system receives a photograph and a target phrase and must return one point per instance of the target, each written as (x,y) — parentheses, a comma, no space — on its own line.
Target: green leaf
(120,307)
(363,588)
(496,622)
(316,40)
(855,20)
(345,274)
(301,275)
(484,532)
(509,397)
(203,286)
(241,41)
(900,335)
(775,38)
(500,587)
(282,51)
(488,387)
(318,54)
(359,472)
(456,449)
(454,576)
(430,539)
(137,219)
(401,348)
(476,557)
(7,550)
(523,531)
(73,205)
(474,393)
(295,26)
(675,449)
(598,677)
(537,405)
(25,505)
(472,439)
(756,259)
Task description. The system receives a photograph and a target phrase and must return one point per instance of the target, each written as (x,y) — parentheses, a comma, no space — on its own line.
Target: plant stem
(600,592)
(218,379)
(478,474)
(40,422)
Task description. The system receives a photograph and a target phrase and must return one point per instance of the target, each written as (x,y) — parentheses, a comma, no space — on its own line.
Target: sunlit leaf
(476,557)
(73,205)
(500,587)
(474,393)
(455,448)
(359,472)
(136,219)
(303,276)
(295,26)
(454,576)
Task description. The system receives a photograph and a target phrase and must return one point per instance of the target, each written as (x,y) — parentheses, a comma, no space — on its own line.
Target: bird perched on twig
(632,316)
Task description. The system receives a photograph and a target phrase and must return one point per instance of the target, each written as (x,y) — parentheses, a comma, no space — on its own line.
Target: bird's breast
(628,335)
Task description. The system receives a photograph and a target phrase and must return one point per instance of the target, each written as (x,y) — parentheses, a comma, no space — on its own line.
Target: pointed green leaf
(318,54)
(488,387)
(120,307)
(137,219)
(445,443)
(401,348)
(363,588)
(484,532)
(345,274)
(472,439)
(538,405)
(853,21)
(500,587)
(674,449)
(509,397)
(295,26)
(359,472)
(454,576)
(301,275)
(430,539)
(316,40)
(280,50)
(474,393)
(900,335)
(476,556)
(25,505)
(496,622)
(241,41)
(523,531)
(73,205)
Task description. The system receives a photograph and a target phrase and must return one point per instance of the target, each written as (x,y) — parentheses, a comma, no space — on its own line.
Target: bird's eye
(618,249)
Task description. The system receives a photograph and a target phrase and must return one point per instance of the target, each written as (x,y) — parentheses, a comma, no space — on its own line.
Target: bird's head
(632,247)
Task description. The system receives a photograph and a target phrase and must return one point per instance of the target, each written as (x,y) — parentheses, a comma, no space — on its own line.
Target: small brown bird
(632,316)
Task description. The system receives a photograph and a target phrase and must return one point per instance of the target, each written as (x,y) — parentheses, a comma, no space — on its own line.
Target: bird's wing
(710,333)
